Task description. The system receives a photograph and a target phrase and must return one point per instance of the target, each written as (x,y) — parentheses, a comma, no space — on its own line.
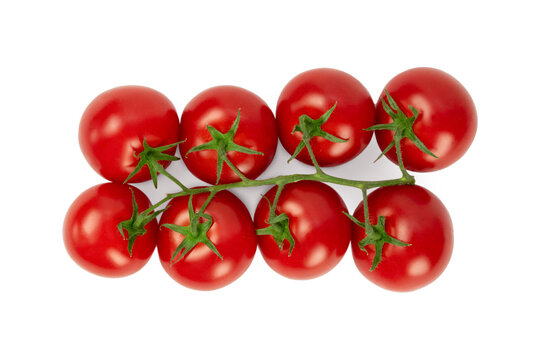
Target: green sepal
(312,127)
(135,225)
(150,157)
(401,125)
(223,143)
(194,233)
(376,236)
(278,228)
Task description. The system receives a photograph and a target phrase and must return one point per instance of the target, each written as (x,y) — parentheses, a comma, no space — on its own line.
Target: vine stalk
(287,179)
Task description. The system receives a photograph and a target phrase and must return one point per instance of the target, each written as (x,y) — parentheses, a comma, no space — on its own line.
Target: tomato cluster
(401,234)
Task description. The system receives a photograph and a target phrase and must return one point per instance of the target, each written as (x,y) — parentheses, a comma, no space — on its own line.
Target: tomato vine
(223,142)
(227,136)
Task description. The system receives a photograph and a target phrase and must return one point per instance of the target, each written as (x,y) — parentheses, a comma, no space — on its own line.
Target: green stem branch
(369,228)
(165,173)
(397,140)
(276,197)
(282,180)
(206,202)
(307,141)
(195,221)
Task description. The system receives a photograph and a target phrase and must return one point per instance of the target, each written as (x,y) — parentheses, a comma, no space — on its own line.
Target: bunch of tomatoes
(401,233)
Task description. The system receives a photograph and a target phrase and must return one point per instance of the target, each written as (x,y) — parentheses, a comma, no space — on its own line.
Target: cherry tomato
(320,230)
(115,124)
(314,92)
(218,107)
(91,235)
(446,123)
(415,216)
(232,232)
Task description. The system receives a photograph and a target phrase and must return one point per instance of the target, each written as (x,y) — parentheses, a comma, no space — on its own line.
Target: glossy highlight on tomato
(232,232)
(320,229)
(115,124)
(218,107)
(413,215)
(91,234)
(446,123)
(313,93)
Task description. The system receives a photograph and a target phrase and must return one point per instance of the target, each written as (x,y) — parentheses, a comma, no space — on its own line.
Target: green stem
(162,170)
(369,228)
(307,141)
(276,197)
(206,202)
(194,222)
(287,179)
(397,139)
(159,203)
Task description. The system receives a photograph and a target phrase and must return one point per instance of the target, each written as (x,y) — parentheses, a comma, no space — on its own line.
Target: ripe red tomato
(415,216)
(320,230)
(91,234)
(446,123)
(313,93)
(218,107)
(232,232)
(115,124)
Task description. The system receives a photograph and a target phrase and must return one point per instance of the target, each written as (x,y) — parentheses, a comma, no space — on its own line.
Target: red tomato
(446,123)
(232,233)
(320,230)
(218,107)
(114,125)
(415,216)
(314,92)
(91,234)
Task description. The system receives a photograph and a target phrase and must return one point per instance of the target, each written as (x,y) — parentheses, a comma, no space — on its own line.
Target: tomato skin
(446,123)
(91,235)
(114,125)
(232,233)
(413,215)
(320,229)
(313,93)
(218,106)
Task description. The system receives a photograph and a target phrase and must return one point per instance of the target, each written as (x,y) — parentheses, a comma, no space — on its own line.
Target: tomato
(320,230)
(314,92)
(218,107)
(415,216)
(232,232)
(446,123)
(115,124)
(91,234)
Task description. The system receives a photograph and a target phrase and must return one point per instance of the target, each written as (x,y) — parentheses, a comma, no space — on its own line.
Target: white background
(57,56)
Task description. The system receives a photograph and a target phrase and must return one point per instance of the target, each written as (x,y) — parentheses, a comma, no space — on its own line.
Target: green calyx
(150,156)
(376,235)
(312,127)
(194,233)
(278,228)
(223,143)
(401,125)
(135,225)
